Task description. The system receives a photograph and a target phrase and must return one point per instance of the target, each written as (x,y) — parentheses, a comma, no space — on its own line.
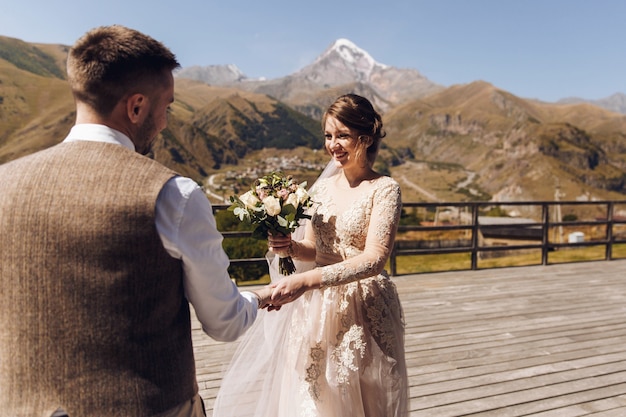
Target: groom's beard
(146,135)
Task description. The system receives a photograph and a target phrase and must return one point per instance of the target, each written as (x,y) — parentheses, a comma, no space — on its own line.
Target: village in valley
(220,186)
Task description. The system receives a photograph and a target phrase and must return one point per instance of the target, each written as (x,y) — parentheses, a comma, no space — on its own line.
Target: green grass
(564,255)
(416,264)
(264,280)
(524,259)
(419,264)
(619,251)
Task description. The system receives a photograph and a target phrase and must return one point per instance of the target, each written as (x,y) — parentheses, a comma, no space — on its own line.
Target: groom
(101,248)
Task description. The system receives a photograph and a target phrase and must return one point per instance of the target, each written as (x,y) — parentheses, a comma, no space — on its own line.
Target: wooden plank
(541,340)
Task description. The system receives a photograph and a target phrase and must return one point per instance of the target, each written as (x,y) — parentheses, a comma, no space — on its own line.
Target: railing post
(609,231)
(545,229)
(474,253)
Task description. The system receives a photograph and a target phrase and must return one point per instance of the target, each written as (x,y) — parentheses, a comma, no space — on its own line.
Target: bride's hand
(279,244)
(288,289)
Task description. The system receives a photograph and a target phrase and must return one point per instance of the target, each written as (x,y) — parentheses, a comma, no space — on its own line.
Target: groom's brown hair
(111,62)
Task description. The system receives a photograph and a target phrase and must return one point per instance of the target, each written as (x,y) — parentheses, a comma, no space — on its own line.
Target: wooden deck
(540,341)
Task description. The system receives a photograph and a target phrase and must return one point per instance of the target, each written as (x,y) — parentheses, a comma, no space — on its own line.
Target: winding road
(419,189)
(211,185)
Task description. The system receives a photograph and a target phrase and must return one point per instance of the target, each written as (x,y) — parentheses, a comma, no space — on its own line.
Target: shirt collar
(99,133)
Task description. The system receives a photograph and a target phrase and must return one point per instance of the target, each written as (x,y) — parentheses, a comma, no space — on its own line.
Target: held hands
(293,286)
(275,295)
(265,295)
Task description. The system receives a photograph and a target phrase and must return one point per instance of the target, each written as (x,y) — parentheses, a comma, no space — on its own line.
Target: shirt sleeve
(381,233)
(186,225)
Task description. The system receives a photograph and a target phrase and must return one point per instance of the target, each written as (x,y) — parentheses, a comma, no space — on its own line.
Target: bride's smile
(340,142)
(348,150)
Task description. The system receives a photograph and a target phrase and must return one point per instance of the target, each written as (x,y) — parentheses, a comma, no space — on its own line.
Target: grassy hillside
(35,59)
(470,141)
(514,148)
(208,127)
(35,111)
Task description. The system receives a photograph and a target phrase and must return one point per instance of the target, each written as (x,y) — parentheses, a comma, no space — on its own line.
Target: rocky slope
(472,141)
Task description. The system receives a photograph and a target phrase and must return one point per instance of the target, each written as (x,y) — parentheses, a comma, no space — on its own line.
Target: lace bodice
(355,228)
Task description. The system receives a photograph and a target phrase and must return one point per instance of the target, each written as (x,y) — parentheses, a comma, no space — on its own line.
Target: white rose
(249,199)
(272,205)
(292,199)
(302,195)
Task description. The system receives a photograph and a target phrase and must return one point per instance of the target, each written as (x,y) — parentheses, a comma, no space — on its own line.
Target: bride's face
(341,143)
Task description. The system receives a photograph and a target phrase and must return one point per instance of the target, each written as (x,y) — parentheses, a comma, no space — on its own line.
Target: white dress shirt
(186,225)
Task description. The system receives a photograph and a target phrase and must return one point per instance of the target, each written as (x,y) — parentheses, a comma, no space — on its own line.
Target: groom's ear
(137,108)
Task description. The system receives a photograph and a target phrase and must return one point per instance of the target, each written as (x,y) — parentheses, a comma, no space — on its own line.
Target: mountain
(36,59)
(342,67)
(208,126)
(470,141)
(213,74)
(344,63)
(212,126)
(516,149)
(34,97)
(615,102)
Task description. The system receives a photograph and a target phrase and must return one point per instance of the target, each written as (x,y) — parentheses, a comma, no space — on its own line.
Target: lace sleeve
(381,232)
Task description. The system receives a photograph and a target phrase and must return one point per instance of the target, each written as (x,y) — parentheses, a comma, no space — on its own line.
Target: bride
(338,348)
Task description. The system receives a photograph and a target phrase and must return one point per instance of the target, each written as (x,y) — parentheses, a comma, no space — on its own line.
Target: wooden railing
(603,218)
(511,230)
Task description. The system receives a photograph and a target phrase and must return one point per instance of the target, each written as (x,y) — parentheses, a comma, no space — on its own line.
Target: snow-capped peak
(354,55)
(341,63)
(235,70)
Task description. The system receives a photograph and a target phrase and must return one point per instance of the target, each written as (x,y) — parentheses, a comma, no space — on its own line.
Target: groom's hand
(264,295)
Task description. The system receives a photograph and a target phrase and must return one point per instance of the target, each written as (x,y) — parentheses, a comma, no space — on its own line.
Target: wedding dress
(339,350)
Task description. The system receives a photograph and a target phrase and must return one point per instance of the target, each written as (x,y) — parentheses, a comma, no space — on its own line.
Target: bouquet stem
(286,266)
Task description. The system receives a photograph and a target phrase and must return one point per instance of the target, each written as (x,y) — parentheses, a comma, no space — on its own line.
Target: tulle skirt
(333,352)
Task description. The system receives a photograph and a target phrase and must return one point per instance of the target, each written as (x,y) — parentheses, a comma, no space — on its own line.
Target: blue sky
(545,49)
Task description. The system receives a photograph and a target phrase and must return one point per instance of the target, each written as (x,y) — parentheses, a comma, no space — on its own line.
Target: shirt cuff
(252,298)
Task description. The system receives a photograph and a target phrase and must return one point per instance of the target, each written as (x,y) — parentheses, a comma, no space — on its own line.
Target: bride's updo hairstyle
(358,114)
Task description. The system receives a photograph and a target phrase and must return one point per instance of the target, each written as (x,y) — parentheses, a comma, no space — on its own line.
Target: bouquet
(275,204)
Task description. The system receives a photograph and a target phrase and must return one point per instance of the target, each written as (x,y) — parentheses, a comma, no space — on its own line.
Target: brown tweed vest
(93,316)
